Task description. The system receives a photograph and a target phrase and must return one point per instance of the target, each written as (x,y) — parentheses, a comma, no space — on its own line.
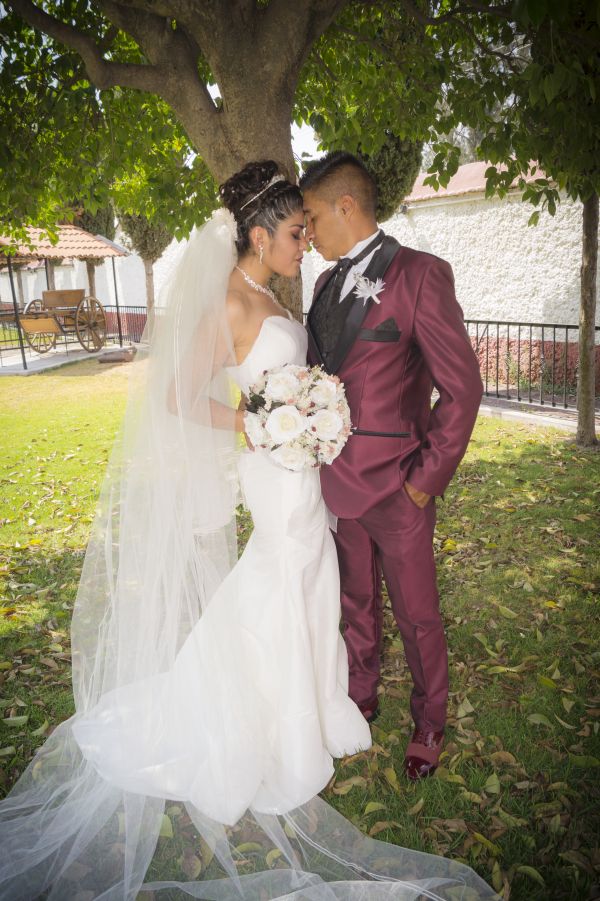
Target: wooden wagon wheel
(90,324)
(41,342)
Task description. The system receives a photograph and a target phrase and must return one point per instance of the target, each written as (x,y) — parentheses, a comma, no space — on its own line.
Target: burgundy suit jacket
(389,373)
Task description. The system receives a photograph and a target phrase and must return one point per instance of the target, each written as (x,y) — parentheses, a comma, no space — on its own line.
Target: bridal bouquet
(300,415)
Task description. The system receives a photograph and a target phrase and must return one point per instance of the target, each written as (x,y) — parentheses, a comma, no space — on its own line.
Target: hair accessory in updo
(225,217)
(270,184)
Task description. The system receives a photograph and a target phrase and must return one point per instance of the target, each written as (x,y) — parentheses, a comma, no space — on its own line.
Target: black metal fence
(529,362)
(124,325)
(526,362)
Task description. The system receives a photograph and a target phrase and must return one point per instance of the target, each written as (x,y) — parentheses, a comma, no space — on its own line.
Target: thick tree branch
(102,73)
(173,51)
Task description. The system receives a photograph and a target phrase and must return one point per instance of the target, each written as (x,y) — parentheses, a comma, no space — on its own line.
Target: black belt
(381,434)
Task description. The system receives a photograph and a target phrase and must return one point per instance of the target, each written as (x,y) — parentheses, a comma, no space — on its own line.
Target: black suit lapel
(312,341)
(313,347)
(358,311)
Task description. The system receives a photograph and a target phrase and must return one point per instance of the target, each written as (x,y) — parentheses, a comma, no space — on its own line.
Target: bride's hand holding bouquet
(299,415)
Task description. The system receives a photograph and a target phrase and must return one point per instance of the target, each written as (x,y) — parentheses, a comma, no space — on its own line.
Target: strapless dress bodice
(279,341)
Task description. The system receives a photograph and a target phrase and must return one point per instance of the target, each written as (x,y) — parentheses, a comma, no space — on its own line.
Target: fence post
(117,303)
(16,309)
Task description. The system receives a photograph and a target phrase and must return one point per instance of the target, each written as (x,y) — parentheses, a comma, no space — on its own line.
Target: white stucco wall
(504,269)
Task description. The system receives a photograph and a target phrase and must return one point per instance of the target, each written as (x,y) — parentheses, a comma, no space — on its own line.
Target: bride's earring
(261,250)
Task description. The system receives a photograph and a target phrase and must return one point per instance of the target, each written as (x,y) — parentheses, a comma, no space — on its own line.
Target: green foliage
(102,222)
(394,167)
(62,138)
(523,76)
(373,73)
(526,77)
(149,239)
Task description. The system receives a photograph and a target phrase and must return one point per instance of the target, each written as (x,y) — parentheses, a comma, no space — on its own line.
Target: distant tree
(394,167)
(149,240)
(101,222)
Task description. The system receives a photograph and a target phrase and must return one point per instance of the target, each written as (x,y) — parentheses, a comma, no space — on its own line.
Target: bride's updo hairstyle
(245,196)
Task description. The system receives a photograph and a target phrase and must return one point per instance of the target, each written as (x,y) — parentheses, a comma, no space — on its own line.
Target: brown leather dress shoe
(423,754)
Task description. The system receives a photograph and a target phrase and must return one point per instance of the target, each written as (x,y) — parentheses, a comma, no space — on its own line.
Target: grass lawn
(518,795)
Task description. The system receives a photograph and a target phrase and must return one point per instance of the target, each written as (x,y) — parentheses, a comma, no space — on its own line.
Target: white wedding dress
(255,706)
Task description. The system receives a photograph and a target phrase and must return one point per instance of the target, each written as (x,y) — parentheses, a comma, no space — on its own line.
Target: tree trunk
(20,290)
(586,400)
(289,294)
(91,277)
(149,270)
(51,278)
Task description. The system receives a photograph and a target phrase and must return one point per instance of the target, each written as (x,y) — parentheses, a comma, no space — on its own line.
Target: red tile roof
(469,179)
(73,243)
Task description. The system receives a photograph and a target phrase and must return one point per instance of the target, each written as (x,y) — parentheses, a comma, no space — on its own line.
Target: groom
(386,321)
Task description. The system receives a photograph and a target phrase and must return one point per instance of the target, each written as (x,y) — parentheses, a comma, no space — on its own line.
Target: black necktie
(328,315)
(334,286)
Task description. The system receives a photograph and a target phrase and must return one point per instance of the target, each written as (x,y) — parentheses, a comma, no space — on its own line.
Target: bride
(211,695)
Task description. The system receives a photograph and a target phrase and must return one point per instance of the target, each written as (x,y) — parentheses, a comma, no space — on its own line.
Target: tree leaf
(14,722)
(532,873)
(464,708)
(539,719)
(384,824)
(416,808)
(373,806)
(391,777)
(342,788)
(273,855)
(166,827)
(584,760)
(492,785)
(41,729)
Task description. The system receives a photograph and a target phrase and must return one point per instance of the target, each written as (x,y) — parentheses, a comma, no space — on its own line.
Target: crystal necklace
(258,287)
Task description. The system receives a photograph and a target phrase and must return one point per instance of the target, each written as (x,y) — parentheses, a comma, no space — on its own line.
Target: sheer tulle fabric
(137,758)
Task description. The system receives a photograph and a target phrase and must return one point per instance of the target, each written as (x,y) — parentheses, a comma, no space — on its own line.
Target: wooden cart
(68,312)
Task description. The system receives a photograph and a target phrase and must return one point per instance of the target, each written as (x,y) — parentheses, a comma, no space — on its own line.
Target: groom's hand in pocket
(419,498)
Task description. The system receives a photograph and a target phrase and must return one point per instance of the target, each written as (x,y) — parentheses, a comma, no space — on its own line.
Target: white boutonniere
(368,290)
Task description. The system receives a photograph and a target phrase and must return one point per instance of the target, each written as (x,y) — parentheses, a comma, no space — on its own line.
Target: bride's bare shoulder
(236,308)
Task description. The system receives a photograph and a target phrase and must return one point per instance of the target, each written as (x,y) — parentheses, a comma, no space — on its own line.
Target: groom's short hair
(340,173)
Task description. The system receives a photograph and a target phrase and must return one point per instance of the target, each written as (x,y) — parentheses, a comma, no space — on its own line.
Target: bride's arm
(198,372)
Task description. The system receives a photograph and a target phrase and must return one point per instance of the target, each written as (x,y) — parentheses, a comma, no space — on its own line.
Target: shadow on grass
(517,795)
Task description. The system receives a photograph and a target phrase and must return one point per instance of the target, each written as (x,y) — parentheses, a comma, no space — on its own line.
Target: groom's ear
(346,205)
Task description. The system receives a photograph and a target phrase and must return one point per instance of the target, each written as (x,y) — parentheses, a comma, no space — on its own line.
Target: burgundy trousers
(395,537)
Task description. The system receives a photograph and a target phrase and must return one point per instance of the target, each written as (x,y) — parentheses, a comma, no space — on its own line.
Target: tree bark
(91,276)
(149,270)
(20,289)
(586,400)
(255,54)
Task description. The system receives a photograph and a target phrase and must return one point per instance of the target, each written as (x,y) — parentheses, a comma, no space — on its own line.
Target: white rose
(281,386)
(285,423)
(291,457)
(327,424)
(254,429)
(324,393)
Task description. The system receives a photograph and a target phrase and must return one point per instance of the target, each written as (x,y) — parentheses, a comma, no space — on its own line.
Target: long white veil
(162,542)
